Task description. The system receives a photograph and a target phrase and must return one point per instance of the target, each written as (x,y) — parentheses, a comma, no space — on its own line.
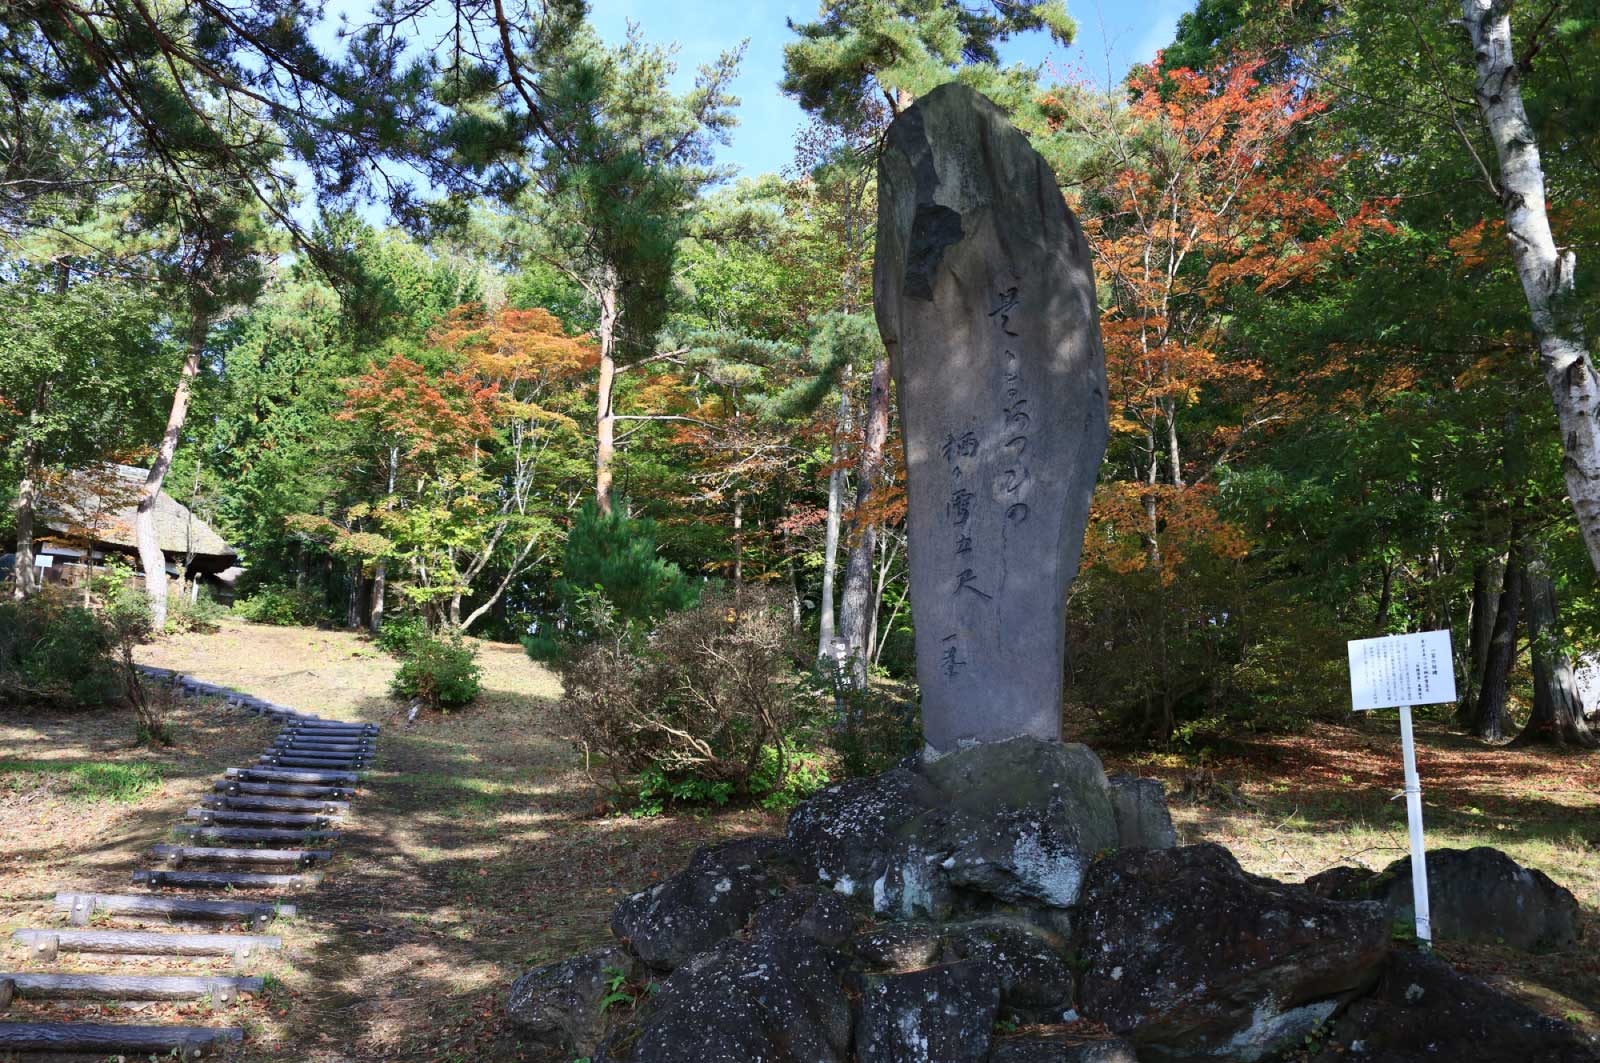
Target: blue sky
(1112,36)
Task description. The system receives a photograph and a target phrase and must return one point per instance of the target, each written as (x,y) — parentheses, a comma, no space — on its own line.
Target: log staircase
(280,814)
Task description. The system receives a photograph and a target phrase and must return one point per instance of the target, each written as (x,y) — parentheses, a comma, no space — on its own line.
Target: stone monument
(986,302)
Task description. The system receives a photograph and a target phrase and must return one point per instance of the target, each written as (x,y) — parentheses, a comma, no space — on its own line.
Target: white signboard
(1401,670)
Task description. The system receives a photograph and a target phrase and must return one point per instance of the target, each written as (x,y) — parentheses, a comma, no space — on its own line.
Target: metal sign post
(1402,671)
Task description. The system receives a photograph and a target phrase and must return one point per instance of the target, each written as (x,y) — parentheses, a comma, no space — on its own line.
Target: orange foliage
(519,351)
(1118,536)
(432,420)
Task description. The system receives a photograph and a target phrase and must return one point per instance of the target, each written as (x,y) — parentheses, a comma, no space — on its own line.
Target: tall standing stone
(986,302)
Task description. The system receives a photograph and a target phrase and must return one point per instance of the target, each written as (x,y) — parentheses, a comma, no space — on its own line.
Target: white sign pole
(1402,671)
(1419,857)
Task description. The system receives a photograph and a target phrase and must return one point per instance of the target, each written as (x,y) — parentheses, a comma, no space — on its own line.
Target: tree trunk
(1488,576)
(151,558)
(1547,272)
(1489,723)
(1557,707)
(1385,598)
(826,625)
(380,571)
(856,607)
(605,412)
(738,547)
(26,577)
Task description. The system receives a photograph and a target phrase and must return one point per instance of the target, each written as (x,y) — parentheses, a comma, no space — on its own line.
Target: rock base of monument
(1008,903)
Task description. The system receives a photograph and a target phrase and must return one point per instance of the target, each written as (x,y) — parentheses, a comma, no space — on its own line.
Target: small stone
(1140,806)
(559,1005)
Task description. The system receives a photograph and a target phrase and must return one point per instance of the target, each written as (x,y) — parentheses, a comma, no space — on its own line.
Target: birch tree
(1547,271)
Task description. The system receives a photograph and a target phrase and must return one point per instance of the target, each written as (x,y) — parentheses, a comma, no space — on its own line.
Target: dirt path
(480,851)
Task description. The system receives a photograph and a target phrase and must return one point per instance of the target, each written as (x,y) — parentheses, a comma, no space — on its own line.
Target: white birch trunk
(1546,271)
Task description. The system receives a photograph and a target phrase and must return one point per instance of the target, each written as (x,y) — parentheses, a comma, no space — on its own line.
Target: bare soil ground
(480,849)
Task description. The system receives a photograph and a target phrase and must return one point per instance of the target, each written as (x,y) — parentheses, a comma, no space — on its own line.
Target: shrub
(280,605)
(688,713)
(875,732)
(55,654)
(400,635)
(200,616)
(442,673)
(616,555)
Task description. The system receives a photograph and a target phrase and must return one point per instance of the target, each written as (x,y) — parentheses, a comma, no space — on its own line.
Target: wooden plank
(332,778)
(311,763)
(236,818)
(260,803)
(45,943)
(323,745)
(180,854)
(221,988)
(279,789)
(244,880)
(188,1042)
(255,834)
(178,908)
(324,728)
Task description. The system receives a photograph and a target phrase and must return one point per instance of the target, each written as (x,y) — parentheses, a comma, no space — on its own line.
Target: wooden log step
(259,803)
(222,989)
(327,727)
(180,854)
(186,1042)
(277,789)
(340,742)
(239,880)
(235,818)
(332,778)
(310,763)
(255,834)
(43,945)
(314,754)
(81,906)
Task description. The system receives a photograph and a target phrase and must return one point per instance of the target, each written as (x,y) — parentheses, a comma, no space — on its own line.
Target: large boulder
(779,998)
(1476,894)
(1015,822)
(942,1014)
(561,1005)
(808,912)
(1035,980)
(703,904)
(1061,1046)
(1425,1011)
(1191,958)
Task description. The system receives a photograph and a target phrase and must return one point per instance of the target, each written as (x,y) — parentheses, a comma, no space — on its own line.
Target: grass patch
(83,781)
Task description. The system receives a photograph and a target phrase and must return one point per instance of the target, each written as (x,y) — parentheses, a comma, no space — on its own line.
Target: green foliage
(56,654)
(400,635)
(785,777)
(84,781)
(617,556)
(201,616)
(873,729)
(280,605)
(442,673)
(862,49)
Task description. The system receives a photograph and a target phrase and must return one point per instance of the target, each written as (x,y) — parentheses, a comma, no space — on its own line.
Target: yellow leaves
(1136,527)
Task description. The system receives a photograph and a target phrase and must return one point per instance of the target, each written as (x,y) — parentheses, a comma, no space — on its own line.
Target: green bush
(871,730)
(442,673)
(56,654)
(400,635)
(616,554)
(546,649)
(280,605)
(201,615)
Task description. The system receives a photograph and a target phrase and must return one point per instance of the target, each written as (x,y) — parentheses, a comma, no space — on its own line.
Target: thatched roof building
(91,511)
